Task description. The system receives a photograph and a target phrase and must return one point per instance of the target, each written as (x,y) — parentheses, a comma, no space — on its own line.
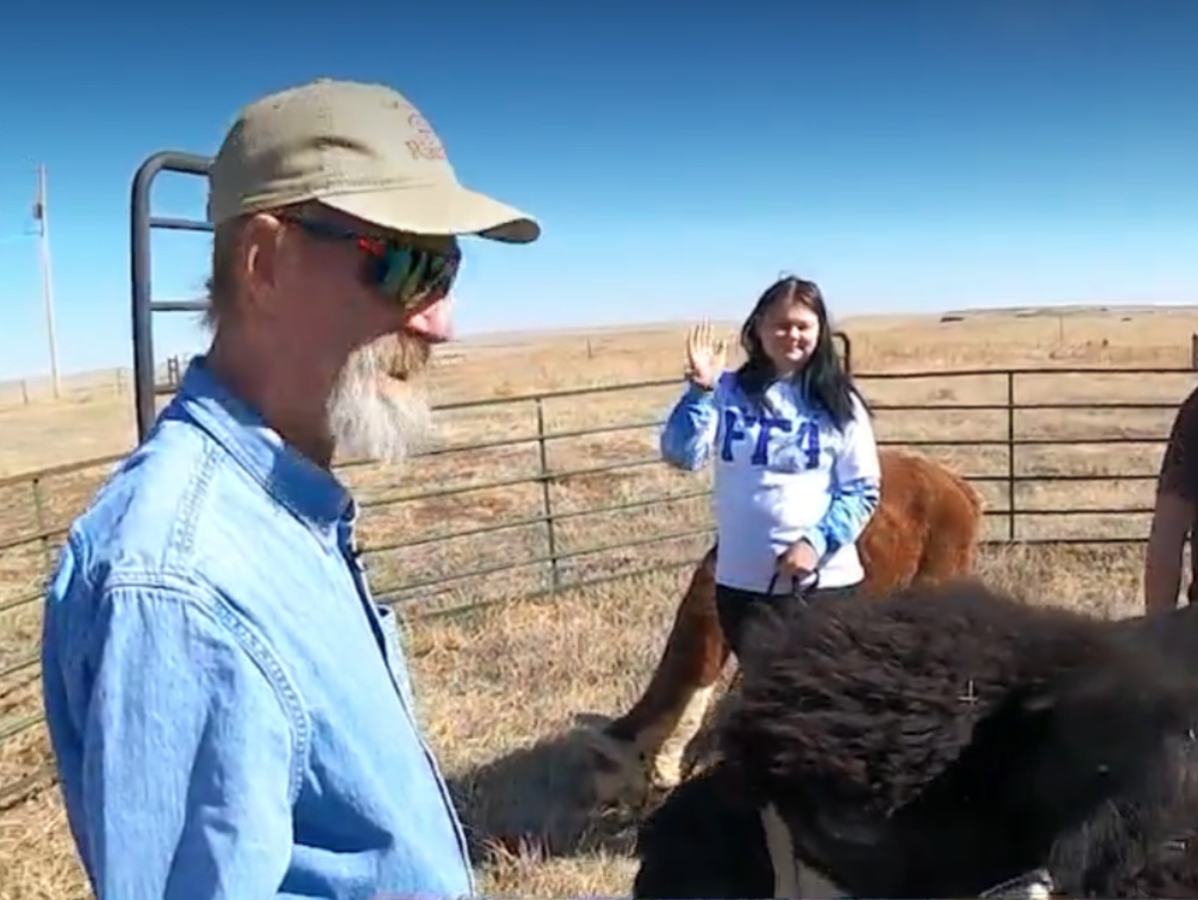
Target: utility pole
(43,234)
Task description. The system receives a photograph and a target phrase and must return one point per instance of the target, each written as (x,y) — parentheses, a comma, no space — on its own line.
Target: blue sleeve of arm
(691,428)
(187,757)
(857,488)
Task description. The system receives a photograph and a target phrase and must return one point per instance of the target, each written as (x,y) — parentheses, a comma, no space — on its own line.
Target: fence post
(39,518)
(546,494)
(1010,455)
(846,353)
(1194,351)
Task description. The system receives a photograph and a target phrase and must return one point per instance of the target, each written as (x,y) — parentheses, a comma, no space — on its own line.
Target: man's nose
(432,322)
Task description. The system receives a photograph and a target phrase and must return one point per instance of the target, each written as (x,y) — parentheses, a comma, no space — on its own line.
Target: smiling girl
(797,476)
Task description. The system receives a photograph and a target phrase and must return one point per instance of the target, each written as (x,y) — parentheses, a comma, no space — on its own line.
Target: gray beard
(375,417)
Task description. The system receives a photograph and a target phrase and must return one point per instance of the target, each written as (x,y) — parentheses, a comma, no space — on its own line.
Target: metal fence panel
(48,533)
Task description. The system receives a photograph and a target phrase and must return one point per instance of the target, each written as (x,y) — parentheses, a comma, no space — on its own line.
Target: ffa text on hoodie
(783,471)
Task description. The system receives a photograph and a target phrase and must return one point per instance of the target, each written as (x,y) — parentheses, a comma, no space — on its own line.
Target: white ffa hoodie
(781,475)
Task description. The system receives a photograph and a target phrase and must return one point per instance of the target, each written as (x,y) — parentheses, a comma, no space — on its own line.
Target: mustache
(400,356)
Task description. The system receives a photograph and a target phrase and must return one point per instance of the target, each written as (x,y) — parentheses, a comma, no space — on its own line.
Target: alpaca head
(621,772)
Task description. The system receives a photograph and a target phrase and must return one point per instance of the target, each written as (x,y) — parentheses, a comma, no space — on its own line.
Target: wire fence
(640,504)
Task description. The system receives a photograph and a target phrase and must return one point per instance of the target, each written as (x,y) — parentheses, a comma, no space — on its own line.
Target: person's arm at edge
(857,488)
(1173,514)
(189,755)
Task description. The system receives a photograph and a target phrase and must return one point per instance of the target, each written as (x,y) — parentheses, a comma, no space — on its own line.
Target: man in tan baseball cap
(230,707)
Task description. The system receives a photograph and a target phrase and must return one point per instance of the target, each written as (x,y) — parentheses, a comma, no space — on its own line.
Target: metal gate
(142,222)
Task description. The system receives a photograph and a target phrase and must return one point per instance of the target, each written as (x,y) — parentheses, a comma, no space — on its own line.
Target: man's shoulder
(136,509)
(143,520)
(180,521)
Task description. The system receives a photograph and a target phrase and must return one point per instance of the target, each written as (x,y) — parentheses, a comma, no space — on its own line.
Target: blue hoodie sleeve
(691,427)
(856,488)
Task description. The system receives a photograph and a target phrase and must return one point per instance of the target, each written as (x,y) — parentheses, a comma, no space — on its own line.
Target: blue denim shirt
(229,708)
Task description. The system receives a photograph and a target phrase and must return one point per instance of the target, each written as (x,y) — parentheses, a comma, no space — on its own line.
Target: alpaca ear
(594,739)
(606,753)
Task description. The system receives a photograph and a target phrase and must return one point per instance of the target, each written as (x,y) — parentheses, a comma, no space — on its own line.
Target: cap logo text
(425,144)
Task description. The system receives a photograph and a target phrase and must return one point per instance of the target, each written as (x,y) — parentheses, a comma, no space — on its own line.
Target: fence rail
(550,517)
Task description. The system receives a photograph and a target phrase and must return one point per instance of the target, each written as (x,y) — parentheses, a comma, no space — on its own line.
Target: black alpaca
(704,840)
(943,740)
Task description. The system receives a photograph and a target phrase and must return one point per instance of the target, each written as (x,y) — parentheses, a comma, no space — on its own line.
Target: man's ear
(260,243)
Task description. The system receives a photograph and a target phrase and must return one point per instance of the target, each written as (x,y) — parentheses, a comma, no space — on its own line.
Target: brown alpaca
(926,529)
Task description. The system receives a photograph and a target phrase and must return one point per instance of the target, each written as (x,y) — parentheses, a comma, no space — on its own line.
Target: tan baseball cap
(361,148)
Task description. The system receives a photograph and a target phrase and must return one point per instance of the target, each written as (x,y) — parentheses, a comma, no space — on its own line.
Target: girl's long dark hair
(822,379)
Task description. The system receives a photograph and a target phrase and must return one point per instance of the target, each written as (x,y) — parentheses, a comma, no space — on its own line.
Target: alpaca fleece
(939,741)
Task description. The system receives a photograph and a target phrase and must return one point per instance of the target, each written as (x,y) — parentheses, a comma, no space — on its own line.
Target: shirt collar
(311,493)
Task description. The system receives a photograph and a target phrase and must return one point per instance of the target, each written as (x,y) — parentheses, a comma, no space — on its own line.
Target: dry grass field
(502,685)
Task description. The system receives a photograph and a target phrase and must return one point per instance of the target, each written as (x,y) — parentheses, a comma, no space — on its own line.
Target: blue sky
(911,156)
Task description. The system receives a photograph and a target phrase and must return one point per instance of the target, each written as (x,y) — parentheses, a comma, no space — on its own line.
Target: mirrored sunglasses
(404,272)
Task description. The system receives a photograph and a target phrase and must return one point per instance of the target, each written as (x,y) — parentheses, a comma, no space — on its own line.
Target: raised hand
(704,355)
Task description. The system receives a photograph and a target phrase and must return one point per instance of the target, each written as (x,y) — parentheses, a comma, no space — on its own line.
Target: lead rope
(787,880)
(792,879)
(777,836)
(799,593)
(781,850)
